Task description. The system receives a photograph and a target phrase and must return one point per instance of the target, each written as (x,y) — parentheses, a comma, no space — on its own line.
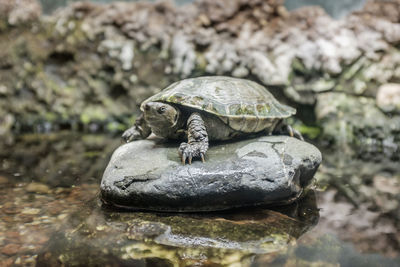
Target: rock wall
(18,12)
(91,65)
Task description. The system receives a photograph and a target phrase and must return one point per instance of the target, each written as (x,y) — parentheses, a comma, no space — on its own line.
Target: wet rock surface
(148,175)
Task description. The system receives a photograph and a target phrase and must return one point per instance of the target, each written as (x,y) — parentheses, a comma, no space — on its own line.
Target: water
(51,215)
(336,9)
(51,5)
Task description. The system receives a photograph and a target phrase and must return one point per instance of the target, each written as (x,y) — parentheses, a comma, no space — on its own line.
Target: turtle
(210,108)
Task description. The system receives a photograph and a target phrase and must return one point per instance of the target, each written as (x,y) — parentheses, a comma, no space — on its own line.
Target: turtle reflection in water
(210,108)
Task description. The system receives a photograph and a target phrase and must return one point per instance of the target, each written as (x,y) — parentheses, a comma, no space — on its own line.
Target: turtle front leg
(140,130)
(197,144)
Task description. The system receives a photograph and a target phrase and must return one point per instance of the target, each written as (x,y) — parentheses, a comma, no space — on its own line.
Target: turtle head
(161,117)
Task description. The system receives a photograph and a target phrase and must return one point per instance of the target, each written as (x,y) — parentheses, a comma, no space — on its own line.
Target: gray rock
(148,175)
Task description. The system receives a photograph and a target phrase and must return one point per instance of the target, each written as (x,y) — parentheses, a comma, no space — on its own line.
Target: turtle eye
(161,110)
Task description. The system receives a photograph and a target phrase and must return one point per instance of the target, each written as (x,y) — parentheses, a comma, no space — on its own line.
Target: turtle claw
(290,130)
(131,134)
(190,151)
(294,133)
(283,128)
(202,157)
(197,144)
(298,135)
(183,159)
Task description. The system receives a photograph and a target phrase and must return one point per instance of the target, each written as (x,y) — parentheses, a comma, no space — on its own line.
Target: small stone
(260,171)
(55,208)
(3,90)
(141,230)
(41,239)
(388,97)
(3,180)
(7,262)
(24,218)
(37,188)
(13,235)
(10,208)
(240,72)
(62,216)
(30,211)
(100,227)
(10,249)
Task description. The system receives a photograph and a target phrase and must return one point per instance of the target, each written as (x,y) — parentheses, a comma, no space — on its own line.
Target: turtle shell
(242,104)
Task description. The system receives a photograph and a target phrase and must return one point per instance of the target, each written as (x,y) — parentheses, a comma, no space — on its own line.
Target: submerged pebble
(37,188)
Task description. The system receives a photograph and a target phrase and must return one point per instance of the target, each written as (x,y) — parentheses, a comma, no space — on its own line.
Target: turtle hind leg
(197,144)
(283,128)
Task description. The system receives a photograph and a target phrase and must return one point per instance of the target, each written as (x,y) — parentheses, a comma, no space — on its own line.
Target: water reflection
(178,239)
(59,159)
(50,218)
(336,9)
(51,5)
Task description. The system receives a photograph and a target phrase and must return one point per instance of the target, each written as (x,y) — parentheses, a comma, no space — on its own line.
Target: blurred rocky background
(88,66)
